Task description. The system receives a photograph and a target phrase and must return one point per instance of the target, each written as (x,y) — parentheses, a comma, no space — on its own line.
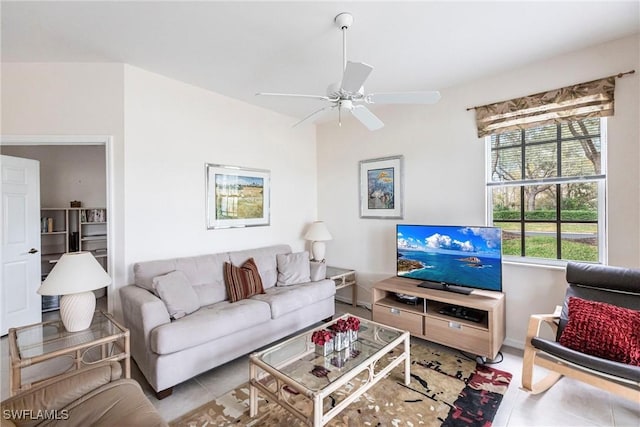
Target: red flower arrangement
(353,323)
(340,326)
(321,337)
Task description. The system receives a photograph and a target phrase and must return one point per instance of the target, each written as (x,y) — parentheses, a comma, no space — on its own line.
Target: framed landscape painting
(236,196)
(381,188)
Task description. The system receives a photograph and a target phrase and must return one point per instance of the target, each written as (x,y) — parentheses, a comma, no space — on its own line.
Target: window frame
(601,181)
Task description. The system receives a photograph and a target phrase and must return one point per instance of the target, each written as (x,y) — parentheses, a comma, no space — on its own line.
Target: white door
(20,257)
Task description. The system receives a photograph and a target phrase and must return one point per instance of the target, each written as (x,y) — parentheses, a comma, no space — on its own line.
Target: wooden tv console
(423,320)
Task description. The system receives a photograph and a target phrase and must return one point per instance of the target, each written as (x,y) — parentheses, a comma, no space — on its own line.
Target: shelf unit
(423,319)
(93,232)
(71,230)
(54,237)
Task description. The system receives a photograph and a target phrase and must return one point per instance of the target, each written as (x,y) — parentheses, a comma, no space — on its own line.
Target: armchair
(616,286)
(94,395)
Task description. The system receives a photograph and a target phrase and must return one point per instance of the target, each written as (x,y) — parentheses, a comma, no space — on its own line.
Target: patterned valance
(571,103)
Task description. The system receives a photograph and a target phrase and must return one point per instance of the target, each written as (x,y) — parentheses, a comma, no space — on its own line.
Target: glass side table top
(296,358)
(48,337)
(334,272)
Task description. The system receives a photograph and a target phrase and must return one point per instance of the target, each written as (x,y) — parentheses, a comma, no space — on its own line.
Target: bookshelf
(66,230)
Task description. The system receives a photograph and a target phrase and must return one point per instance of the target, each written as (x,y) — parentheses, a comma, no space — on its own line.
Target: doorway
(73,169)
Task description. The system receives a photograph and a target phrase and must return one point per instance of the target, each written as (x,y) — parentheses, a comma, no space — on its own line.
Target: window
(546,190)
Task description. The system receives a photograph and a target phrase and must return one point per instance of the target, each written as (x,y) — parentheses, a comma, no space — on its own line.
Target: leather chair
(613,285)
(91,396)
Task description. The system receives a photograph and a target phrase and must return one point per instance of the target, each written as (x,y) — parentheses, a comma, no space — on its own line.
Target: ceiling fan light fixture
(346,104)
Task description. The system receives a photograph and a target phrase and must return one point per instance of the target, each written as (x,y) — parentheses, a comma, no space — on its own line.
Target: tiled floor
(568,403)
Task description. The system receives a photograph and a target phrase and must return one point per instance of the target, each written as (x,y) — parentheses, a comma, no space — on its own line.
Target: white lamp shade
(318,232)
(74,273)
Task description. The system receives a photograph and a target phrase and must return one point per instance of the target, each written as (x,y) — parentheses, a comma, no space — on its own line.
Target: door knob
(33,251)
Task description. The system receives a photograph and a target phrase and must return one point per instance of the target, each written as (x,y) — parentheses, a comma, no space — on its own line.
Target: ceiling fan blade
(430,97)
(355,73)
(297,95)
(370,120)
(315,113)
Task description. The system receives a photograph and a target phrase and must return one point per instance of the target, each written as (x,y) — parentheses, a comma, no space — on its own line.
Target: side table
(344,277)
(43,342)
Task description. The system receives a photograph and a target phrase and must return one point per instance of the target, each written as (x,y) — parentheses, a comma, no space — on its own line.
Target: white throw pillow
(177,293)
(293,268)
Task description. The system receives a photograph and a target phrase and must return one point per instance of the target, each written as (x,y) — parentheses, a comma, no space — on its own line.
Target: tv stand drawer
(400,319)
(468,338)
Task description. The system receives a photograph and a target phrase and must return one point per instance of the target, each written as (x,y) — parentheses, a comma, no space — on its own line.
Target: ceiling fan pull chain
(339,116)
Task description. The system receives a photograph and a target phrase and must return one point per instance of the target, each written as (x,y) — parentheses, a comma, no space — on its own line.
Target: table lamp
(75,276)
(318,234)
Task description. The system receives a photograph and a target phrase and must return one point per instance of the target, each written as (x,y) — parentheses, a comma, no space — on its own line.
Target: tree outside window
(546,190)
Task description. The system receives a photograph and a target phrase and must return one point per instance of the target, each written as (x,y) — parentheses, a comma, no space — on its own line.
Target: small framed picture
(236,196)
(381,188)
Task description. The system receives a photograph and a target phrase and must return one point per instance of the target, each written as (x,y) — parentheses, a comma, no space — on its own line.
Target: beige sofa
(170,351)
(94,396)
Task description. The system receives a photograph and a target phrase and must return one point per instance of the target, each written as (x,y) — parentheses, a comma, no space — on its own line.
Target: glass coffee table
(293,368)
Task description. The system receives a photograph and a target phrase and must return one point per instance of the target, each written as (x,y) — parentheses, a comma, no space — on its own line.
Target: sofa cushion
(265,259)
(207,324)
(242,282)
(285,299)
(204,273)
(177,294)
(293,269)
(603,330)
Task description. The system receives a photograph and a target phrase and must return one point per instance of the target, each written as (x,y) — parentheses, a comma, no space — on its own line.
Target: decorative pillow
(293,268)
(603,330)
(318,270)
(242,282)
(177,293)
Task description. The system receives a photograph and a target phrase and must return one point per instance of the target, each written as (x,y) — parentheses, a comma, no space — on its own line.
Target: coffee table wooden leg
(317,410)
(407,361)
(253,391)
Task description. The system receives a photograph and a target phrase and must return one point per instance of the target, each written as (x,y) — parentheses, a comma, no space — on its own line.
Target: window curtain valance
(590,99)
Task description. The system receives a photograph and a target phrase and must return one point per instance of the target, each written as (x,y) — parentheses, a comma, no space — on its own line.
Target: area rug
(446,389)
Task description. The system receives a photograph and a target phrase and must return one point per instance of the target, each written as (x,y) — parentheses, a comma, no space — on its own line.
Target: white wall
(72,99)
(171,130)
(67,173)
(445,173)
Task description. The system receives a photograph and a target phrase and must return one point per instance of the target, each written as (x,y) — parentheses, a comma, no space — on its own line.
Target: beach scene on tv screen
(467,256)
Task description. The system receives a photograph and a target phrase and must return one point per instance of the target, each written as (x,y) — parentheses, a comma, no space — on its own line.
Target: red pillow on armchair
(603,330)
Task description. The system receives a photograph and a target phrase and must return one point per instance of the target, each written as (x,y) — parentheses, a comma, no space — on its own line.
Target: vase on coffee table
(341,340)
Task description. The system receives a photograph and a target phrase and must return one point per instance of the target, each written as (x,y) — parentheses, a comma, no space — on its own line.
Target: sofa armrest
(58,392)
(142,312)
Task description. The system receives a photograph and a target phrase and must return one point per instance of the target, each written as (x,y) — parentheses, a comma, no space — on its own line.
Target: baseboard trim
(348,301)
(514,343)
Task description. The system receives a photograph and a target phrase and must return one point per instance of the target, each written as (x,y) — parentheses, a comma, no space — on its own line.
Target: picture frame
(381,188)
(237,196)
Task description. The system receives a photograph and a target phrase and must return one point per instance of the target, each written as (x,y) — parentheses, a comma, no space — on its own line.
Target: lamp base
(76,310)
(318,250)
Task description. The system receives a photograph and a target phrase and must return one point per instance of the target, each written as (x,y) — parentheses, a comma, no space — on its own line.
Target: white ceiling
(240,48)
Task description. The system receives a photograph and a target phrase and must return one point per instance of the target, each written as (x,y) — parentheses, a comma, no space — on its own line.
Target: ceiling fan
(348,95)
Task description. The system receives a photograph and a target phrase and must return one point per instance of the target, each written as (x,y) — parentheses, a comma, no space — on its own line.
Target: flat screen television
(452,258)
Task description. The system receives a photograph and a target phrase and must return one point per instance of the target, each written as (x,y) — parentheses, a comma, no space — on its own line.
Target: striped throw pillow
(242,282)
